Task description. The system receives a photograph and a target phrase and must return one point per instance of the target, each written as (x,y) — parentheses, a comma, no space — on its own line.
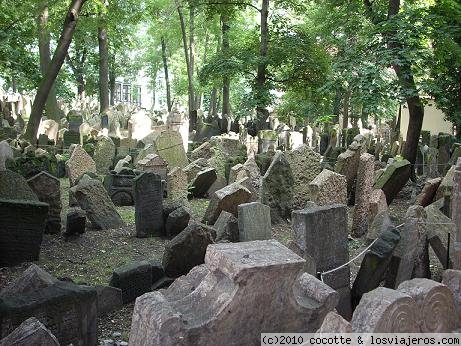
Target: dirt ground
(91,258)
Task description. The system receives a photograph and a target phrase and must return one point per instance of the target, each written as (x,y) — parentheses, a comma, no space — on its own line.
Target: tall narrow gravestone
(321,234)
(148,195)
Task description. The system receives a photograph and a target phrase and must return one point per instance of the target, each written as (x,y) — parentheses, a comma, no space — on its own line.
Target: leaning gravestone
(203,181)
(148,191)
(277,188)
(171,148)
(216,301)
(93,198)
(393,178)
(104,153)
(30,332)
(78,164)
(6,152)
(254,220)
(32,279)
(47,188)
(227,199)
(22,224)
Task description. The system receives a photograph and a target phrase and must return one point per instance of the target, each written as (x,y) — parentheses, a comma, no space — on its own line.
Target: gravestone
(432,162)
(177,221)
(320,232)
(384,310)
(187,249)
(202,151)
(446,186)
(13,186)
(133,279)
(254,221)
(202,182)
(32,279)
(305,166)
(227,199)
(393,178)
(22,224)
(328,188)
(177,186)
(411,249)
(69,311)
(30,332)
(428,193)
(227,229)
(6,152)
(374,265)
(378,204)
(47,189)
(362,195)
(194,167)
(94,200)
(78,164)
(170,147)
(277,188)
(104,153)
(223,297)
(148,191)
(153,163)
(445,142)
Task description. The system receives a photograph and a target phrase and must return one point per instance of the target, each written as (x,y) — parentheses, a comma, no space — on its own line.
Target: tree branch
(229,3)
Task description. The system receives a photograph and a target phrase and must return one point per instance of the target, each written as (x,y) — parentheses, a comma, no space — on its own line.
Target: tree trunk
(59,56)
(112,79)
(103,66)
(226,79)
(261,77)
(167,77)
(192,48)
(51,106)
(192,112)
(14,84)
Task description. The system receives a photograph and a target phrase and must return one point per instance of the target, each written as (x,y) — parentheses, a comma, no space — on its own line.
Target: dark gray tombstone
(134,280)
(22,224)
(148,195)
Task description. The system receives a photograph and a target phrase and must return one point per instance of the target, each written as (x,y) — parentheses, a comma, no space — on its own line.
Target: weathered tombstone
(328,188)
(305,166)
(153,163)
(47,189)
(428,193)
(277,188)
(148,191)
(177,221)
(254,221)
(78,164)
(334,323)
(30,332)
(456,211)
(104,154)
(171,148)
(6,152)
(445,142)
(22,224)
(374,265)
(93,198)
(446,186)
(67,310)
(261,276)
(393,178)
(133,279)
(75,222)
(412,249)
(362,195)
(227,199)
(347,164)
(432,162)
(377,205)
(202,182)
(177,186)
(452,279)
(384,310)
(321,232)
(435,305)
(187,249)
(202,151)
(227,229)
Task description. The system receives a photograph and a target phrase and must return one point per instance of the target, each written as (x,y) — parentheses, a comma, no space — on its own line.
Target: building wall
(434,121)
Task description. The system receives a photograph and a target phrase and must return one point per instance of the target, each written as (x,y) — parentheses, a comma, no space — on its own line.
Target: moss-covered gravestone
(393,179)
